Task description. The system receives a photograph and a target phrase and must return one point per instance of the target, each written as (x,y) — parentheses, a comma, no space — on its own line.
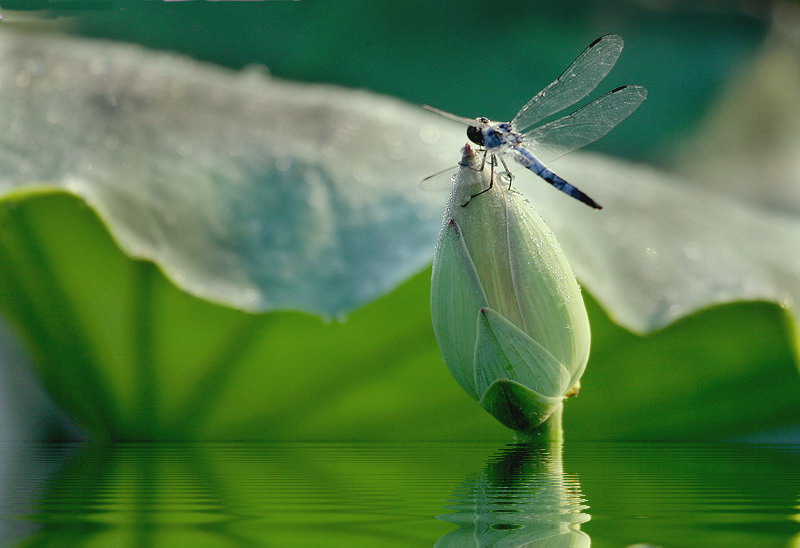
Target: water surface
(409,494)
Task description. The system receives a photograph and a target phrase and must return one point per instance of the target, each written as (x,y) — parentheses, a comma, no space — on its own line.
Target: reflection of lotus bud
(507,311)
(521,498)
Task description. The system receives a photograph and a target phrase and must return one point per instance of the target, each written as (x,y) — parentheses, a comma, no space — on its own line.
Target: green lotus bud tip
(507,312)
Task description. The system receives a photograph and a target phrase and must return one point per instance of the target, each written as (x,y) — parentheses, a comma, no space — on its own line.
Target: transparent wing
(449,116)
(554,139)
(577,82)
(440,181)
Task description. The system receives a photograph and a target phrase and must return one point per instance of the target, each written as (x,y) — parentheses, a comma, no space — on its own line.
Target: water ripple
(409,494)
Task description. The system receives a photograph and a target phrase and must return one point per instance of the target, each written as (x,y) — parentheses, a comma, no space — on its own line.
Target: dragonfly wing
(554,139)
(578,81)
(439,181)
(449,116)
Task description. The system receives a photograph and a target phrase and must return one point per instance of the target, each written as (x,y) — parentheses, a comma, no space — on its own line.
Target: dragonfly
(531,145)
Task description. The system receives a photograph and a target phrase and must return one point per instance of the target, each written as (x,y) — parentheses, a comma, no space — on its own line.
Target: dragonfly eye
(475,135)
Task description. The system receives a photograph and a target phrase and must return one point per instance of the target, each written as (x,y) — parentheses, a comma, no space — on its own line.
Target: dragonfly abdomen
(528,160)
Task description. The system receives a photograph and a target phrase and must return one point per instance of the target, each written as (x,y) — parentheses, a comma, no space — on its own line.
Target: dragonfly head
(475,131)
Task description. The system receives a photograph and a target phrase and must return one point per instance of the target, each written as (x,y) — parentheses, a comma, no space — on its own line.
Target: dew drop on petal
(53,116)
(675,311)
(283,164)
(341,317)
(429,134)
(250,295)
(184,149)
(692,251)
(111,142)
(98,65)
(23,79)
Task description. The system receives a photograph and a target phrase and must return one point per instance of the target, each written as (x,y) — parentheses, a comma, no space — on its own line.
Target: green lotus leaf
(721,226)
(191,167)
(102,327)
(175,155)
(245,189)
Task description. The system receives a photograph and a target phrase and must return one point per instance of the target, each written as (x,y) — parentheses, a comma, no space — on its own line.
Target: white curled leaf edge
(263,194)
(247,190)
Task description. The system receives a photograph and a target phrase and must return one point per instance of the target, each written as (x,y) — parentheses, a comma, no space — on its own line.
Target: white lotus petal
(456,297)
(497,262)
(521,267)
(504,351)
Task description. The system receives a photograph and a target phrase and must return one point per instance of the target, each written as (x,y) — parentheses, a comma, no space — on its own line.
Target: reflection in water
(387,494)
(130,495)
(521,498)
(24,470)
(232,495)
(795,542)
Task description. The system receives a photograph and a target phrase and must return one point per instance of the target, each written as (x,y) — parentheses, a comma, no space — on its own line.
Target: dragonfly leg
(507,173)
(492,163)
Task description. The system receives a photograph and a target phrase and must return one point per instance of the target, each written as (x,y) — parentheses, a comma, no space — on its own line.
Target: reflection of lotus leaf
(225,496)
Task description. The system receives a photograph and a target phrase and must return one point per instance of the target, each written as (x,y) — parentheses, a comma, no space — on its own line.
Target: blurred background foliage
(146,361)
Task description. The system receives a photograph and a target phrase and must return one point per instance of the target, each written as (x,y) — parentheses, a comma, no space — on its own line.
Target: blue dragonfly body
(531,146)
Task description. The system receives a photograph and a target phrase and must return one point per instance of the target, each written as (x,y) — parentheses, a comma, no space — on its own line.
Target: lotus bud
(507,312)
